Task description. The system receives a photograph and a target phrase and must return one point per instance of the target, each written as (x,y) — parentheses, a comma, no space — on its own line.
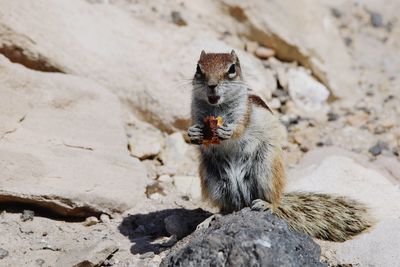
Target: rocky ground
(95,99)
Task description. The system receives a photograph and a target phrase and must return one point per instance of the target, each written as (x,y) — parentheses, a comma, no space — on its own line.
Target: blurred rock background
(95,96)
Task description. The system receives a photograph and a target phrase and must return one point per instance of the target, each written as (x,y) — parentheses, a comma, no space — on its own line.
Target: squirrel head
(218,77)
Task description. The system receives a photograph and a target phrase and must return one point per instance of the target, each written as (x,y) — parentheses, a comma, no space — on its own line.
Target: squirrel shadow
(148,231)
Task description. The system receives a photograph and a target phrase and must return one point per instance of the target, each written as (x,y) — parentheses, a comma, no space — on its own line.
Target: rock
(308,94)
(336,12)
(104,218)
(109,262)
(175,149)
(64,148)
(377,248)
(151,168)
(188,186)
(165,178)
(251,47)
(332,116)
(339,172)
(147,255)
(91,221)
(166,170)
(274,103)
(318,45)
(3,253)
(378,148)
(145,140)
(154,191)
(390,165)
(118,57)
(27,215)
(177,18)
(357,120)
(91,256)
(245,238)
(375,150)
(178,157)
(376,19)
(264,53)
(40,262)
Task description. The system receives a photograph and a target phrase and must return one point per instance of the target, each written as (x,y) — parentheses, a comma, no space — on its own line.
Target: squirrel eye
(232,69)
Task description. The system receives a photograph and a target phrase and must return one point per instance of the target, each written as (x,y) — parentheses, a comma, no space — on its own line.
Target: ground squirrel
(245,169)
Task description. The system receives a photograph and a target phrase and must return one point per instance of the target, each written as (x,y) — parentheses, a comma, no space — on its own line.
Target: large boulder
(317,45)
(245,238)
(149,65)
(63,146)
(339,172)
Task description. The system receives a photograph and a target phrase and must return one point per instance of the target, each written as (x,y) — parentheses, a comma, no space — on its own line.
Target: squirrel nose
(212,87)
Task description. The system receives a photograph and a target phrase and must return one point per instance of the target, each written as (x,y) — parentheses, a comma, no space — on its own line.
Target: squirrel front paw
(195,134)
(225,131)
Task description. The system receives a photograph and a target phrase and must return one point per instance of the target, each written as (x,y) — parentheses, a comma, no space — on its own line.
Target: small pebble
(165,178)
(336,13)
(3,253)
(177,18)
(105,218)
(274,103)
(109,262)
(332,116)
(264,53)
(147,255)
(27,215)
(376,19)
(91,221)
(377,149)
(39,262)
(320,144)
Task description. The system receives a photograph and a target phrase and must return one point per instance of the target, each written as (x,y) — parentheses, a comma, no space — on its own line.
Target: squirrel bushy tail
(324,216)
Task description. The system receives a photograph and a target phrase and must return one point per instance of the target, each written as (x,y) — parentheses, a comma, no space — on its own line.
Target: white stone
(313,40)
(145,140)
(104,218)
(188,186)
(148,65)
(165,178)
(175,149)
(339,172)
(64,148)
(307,93)
(91,221)
(264,53)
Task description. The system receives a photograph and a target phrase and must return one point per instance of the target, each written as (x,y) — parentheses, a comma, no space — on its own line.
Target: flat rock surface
(245,238)
(317,45)
(339,172)
(63,149)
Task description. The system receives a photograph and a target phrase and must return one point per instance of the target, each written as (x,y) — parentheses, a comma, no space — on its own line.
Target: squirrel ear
(203,53)
(234,56)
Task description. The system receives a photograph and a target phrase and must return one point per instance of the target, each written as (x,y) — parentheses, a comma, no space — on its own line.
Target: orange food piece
(210,130)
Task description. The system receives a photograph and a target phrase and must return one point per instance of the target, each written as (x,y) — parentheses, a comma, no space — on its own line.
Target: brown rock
(264,53)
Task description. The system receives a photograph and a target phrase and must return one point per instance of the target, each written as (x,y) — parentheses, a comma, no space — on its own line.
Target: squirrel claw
(260,205)
(225,132)
(195,134)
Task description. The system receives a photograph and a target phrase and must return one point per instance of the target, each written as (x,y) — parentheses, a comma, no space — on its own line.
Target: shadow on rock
(156,231)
